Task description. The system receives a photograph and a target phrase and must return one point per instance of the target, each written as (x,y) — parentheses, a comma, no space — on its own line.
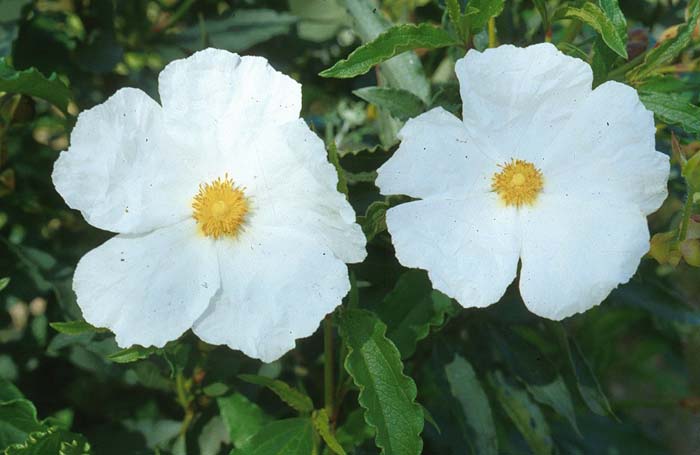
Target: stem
(328,387)
(492,32)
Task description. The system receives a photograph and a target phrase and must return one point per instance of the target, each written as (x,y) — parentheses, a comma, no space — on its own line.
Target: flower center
(220,208)
(518,183)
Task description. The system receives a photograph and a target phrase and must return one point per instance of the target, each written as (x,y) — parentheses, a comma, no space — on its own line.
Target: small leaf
(394,41)
(467,389)
(8,391)
(666,51)
(592,15)
(411,309)
(586,381)
(674,109)
(4,282)
(289,395)
(31,82)
(242,417)
(386,393)
(454,11)
(132,354)
(400,103)
(480,11)
(75,327)
(557,396)
(17,420)
(323,427)
(282,437)
(374,220)
(524,413)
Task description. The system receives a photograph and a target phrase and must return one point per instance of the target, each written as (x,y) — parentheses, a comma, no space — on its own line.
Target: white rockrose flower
(541,169)
(226,207)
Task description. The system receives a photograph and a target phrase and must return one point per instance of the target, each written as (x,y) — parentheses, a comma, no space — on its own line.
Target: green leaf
(10,15)
(239,31)
(289,395)
(483,10)
(400,103)
(242,417)
(319,20)
(396,40)
(592,15)
(17,420)
(386,393)
(8,391)
(334,159)
(674,109)
(666,51)
(467,389)
(323,427)
(403,71)
(586,381)
(525,414)
(604,59)
(4,282)
(612,10)
(454,11)
(557,396)
(541,6)
(75,327)
(51,441)
(374,220)
(132,354)
(31,82)
(411,309)
(282,437)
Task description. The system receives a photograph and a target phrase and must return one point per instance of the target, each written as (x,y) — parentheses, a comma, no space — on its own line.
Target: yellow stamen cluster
(220,208)
(519,183)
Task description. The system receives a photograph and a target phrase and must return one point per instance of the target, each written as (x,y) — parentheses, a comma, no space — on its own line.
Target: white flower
(227,211)
(540,169)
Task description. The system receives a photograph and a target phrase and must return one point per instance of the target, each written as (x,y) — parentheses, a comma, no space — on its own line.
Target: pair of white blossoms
(230,223)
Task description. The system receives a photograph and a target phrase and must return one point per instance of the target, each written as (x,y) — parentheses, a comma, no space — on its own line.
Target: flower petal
(120,171)
(290,182)
(576,250)
(276,285)
(469,247)
(225,97)
(437,157)
(516,99)
(148,289)
(608,151)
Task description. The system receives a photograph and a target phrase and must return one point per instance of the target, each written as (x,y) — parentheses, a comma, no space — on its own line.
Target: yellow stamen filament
(519,183)
(220,208)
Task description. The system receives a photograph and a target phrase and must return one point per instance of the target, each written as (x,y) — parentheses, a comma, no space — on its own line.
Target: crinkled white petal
(516,99)
(121,171)
(276,286)
(575,250)
(437,157)
(219,99)
(148,289)
(607,151)
(469,247)
(290,183)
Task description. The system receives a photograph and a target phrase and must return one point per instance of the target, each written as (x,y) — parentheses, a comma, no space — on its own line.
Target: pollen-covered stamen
(220,208)
(518,183)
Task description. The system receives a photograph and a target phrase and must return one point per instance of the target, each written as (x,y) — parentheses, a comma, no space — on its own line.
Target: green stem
(328,386)
(492,32)
(621,70)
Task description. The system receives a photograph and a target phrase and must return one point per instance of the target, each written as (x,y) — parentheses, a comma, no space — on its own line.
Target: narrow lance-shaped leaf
(131,354)
(524,413)
(673,109)
(411,309)
(404,71)
(480,11)
(282,437)
(586,381)
(31,82)
(289,395)
(467,389)
(592,15)
(669,49)
(323,427)
(75,327)
(396,40)
(386,393)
